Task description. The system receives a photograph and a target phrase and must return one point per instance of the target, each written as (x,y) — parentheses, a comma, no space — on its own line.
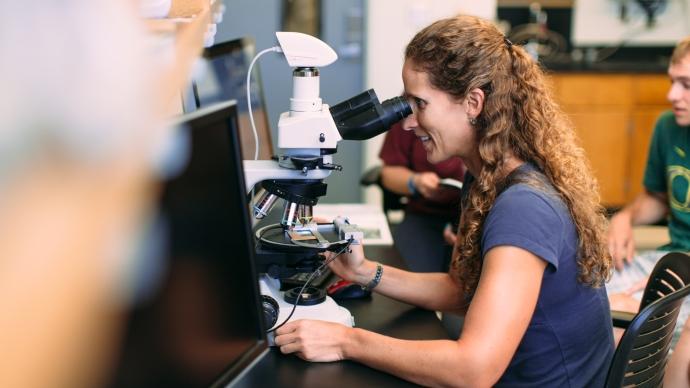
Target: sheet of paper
(450,182)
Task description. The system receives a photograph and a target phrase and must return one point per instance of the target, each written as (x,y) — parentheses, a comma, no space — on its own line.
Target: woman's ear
(475,102)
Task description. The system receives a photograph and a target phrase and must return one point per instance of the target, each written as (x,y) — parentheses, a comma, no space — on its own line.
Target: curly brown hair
(520,118)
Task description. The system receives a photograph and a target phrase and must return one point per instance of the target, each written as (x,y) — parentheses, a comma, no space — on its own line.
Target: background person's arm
(396,178)
(647,208)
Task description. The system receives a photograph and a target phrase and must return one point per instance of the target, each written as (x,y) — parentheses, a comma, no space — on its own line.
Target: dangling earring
(473,121)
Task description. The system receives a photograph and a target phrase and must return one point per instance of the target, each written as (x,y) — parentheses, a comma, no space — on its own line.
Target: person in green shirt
(666,195)
(667,175)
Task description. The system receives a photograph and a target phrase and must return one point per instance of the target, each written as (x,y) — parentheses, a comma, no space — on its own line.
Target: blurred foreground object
(84,94)
(178,40)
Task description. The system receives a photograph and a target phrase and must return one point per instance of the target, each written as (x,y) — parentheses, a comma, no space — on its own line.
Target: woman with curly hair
(531,257)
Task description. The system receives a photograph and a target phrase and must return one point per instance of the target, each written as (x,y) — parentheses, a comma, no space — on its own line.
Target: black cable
(304,286)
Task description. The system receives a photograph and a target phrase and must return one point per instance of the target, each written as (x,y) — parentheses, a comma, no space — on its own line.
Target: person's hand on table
(640,285)
(313,340)
(624,301)
(620,239)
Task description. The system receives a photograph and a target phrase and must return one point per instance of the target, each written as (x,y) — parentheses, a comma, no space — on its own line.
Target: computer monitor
(201,324)
(222,76)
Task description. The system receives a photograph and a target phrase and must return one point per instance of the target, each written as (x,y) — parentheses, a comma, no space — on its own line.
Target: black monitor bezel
(242,43)
(199,119)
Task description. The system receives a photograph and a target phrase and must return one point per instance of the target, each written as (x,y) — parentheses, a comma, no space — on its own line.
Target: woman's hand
(351,265)
(313,340)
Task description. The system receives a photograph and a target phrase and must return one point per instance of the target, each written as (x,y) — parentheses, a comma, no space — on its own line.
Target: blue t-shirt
(569,341)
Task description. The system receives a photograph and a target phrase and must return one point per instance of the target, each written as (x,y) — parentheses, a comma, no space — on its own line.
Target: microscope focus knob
(270,309)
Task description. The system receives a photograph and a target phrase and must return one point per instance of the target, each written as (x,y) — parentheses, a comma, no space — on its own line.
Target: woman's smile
(426,142)
(423,137)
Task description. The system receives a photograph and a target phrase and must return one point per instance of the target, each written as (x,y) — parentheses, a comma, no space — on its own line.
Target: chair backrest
(640,359)
(391,200)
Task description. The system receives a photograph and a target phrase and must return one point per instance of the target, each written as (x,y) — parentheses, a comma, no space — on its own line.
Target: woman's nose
(410,122)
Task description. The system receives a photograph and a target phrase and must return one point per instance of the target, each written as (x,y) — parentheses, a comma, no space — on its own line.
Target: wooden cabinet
(614,116)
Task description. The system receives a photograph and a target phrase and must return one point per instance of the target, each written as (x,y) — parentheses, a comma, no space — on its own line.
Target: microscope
(307,139)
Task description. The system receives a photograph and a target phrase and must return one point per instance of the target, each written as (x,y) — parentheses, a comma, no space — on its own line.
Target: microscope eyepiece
(363,117)
(396,109)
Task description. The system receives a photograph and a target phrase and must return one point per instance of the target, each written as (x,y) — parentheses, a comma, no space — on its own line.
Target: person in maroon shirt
(424,237)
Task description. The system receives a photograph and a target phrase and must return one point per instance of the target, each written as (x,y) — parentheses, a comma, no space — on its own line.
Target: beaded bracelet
(377,278)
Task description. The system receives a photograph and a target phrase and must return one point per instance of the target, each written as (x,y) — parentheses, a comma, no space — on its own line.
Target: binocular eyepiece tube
(363,117)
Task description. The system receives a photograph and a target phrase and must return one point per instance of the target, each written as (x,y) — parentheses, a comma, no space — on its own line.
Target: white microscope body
(302,132)
(308,127)
(308,135)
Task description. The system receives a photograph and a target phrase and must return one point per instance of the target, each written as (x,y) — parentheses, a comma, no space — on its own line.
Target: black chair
(640,358)
(391,200)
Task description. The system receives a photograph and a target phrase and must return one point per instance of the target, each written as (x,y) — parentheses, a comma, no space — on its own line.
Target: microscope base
(327,310)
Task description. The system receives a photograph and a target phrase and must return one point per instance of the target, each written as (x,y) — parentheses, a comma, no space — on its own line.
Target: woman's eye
(416,103)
